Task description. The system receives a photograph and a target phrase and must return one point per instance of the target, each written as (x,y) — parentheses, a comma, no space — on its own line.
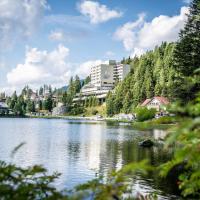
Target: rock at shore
(59,110)
(146,143)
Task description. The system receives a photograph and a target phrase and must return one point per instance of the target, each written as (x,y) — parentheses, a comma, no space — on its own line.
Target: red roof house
(159,103)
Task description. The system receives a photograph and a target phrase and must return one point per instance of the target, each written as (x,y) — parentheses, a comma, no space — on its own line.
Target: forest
(170,70)
(151,75)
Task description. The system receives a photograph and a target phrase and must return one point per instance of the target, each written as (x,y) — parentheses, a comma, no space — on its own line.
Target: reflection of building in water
(120,136)
(119,163)
(104,155)
(112,151)
(94,147)
(159,134)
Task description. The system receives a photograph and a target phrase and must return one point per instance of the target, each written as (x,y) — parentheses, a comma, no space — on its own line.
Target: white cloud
(83,70)
(127,34)
(96,12)
(8,89)
(57,36)
(139,36)
(41,67)
(19,19)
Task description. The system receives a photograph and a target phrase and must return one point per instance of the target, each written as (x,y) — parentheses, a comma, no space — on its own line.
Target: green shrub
(143,114)
(33,183)
(94,112)
(76,110)
(186,136)
(166,120)
(27,183)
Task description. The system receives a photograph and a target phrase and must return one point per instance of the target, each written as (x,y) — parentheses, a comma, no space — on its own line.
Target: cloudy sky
(47,41)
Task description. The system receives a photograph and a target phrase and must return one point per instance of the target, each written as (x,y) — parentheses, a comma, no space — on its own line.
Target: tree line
(47,98)
(151,75)
(171,70)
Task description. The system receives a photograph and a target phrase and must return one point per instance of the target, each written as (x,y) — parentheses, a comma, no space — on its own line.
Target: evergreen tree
(77,84)
(50,90)
(187,55)
(30,107)
(48,104)
(41,91)
(148,81)
(127,102)
(87,80)
(109,104)
(151,74)
(40,105)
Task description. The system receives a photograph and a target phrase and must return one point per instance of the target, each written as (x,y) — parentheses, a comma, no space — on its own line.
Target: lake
(79,149)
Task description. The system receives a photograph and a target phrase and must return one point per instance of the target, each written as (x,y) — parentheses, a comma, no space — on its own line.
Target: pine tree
(187,54)
(41,91)
(127,102)
(30,106)
(77,84)
(151,74)
(148,83)
(87,80)
(110,105)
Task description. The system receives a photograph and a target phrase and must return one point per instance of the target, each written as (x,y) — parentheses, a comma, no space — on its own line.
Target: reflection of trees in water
(74,145)
(118,153)
(115,149)
(73,150)
(109,156)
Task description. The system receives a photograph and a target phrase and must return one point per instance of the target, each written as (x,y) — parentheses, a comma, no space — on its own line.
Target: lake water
(80,149)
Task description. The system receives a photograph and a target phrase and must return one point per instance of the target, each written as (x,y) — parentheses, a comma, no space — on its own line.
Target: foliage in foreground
(34,183)
(29,183)
(186,136)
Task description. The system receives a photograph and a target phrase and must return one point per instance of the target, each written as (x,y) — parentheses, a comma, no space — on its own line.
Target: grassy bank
(161,123)
(97,110)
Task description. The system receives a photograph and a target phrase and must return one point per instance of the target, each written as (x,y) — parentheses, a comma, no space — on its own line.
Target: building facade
(4,109)
(108,74)
(158,103)
(103,79)
(102,75)
(120,71)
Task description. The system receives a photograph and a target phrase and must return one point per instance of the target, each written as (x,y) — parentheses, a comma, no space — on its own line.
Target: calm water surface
(80,149)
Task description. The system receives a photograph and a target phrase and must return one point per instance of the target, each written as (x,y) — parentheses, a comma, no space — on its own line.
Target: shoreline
(146,125)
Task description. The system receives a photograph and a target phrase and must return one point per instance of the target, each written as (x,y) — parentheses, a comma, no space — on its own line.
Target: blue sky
(48,41)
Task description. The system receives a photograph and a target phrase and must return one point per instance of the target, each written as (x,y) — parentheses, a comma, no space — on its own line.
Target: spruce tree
(187,55)
(77,84)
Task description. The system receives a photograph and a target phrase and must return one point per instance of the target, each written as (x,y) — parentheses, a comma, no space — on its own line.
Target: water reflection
(79,149)
(159,134)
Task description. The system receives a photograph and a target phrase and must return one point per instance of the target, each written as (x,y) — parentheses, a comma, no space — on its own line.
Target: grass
(160,123)
(150,126)
(97,110)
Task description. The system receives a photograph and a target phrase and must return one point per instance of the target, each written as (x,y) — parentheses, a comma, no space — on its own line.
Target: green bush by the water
(166,120)
(143,114)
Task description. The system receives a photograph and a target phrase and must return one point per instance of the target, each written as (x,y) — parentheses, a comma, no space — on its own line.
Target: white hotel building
(103,79)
